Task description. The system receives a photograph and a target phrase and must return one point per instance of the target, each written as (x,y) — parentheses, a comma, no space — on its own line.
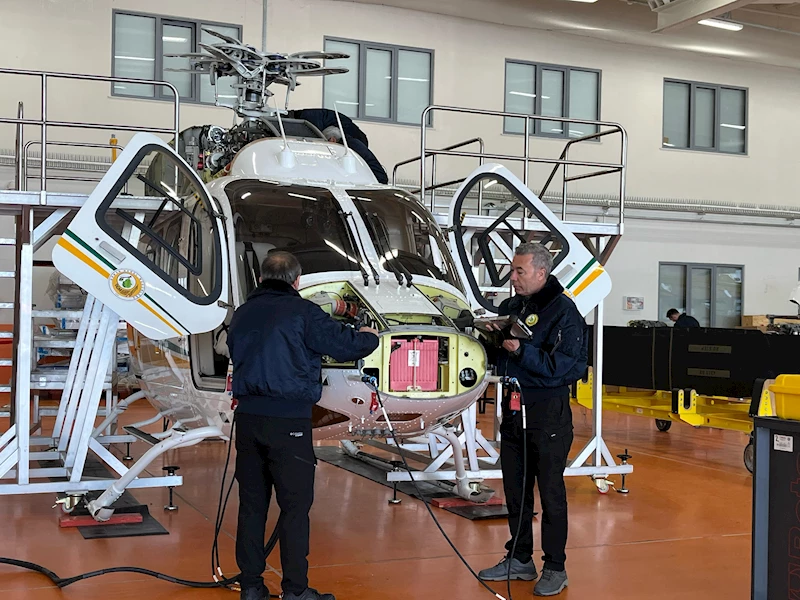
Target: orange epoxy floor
(682,532)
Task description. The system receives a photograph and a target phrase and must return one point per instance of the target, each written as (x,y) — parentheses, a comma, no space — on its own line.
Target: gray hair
(282,266)
(332,132)
(541,257)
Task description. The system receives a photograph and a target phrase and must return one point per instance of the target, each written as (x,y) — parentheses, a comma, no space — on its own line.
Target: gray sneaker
(551,583)
(519,570)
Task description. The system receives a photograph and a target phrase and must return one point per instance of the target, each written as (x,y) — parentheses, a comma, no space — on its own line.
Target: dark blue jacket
(686,321)
(276,341)
(556,355)
(322,118)
(371,160)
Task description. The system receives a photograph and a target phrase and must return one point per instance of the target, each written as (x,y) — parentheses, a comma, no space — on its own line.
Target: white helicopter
(370,253)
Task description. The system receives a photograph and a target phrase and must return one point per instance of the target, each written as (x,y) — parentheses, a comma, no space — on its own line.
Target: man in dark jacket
(334,134)
(681,320)
(276,341)
(545,366)
(322,118)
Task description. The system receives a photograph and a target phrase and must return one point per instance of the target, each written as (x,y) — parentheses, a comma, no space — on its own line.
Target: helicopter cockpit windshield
(303,220)
(405,235)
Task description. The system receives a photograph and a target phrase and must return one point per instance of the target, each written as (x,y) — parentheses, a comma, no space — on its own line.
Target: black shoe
(254,593)
(308,594)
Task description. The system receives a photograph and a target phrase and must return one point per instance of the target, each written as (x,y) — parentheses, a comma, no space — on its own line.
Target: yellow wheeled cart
(697,410)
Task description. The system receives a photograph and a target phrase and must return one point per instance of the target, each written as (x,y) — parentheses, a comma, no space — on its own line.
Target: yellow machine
(686,405)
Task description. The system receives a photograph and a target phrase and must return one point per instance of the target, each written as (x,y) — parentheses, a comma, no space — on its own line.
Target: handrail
(433,188)
(44,123)
(25,158)
(605,168)
(18,149)
(453,147)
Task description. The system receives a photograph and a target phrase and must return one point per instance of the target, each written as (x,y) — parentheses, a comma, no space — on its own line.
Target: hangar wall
(468,71)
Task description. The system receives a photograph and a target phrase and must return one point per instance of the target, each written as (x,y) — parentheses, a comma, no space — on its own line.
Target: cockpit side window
(306,221)
(405,234)
(179,241)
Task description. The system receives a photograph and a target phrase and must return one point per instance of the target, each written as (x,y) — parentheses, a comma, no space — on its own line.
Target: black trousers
(547,458)
(276,452)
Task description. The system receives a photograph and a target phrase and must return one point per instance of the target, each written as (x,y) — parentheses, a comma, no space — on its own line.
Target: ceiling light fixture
(586,1)
(722,24)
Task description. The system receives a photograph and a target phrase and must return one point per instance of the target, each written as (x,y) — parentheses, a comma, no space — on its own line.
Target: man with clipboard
(539,338)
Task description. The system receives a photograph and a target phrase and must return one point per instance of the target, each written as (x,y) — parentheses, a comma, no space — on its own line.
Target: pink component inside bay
(414,366)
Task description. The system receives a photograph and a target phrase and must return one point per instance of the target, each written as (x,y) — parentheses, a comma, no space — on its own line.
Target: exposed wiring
(515,383)
(219,579)
(372,382)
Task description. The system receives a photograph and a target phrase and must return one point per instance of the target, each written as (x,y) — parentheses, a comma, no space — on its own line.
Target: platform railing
(45,124)
(23,186)
(604,128)
(435,186)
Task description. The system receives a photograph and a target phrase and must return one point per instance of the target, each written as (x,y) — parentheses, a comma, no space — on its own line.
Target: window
(405,235)
(141,48)
(384,83)
(551,91)
(180,242)
(306,221)
(701,116)
(712,294)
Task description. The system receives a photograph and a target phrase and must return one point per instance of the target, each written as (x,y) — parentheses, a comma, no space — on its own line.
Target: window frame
(537,101)
(717,88)
(395,49)
(688,298)
(161,93)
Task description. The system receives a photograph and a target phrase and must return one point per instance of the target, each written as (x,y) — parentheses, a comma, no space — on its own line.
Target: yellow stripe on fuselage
(586,282)
(69,247)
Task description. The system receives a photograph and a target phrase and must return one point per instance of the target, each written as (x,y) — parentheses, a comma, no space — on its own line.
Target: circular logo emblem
(126,284)
(531,320)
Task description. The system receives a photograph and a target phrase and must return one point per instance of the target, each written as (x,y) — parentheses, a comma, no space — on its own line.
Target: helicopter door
(149,243)
(484,249)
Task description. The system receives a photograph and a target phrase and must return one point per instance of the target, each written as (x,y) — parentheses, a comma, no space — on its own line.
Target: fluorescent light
(527,95)
(135,58)
(179,40)
(729,126)
(246,195)
(586,1)
(301,196)
(719,23)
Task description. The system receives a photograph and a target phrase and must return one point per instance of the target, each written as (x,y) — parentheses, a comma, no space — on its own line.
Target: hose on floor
(372,382)
(219,579)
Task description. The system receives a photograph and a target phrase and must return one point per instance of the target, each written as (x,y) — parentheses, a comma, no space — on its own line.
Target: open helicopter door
(484,245)
(149,244)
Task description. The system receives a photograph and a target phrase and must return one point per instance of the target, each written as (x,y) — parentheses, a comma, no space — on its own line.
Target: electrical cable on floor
(372,382)
(219,579)
(216,569)
(524,483)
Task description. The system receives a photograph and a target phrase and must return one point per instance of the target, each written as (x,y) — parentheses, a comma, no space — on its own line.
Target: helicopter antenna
(348,160)
(287,157)
(339,121)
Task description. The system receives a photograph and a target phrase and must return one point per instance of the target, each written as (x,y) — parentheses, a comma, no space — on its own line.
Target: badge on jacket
(531,320)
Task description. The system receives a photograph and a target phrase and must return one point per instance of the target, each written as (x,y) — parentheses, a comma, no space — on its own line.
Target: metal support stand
(397,466)
(623,461)
(602,462)
(171,470)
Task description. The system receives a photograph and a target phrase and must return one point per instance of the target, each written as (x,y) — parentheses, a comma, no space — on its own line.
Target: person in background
(681,320)
(334,134)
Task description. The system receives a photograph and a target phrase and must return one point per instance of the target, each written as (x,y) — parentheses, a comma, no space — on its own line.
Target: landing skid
(443,459)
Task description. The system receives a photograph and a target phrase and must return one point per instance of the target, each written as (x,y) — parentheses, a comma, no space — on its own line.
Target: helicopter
(371,254)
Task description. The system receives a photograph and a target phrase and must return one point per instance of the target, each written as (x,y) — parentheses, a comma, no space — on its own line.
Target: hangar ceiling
(769,32)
